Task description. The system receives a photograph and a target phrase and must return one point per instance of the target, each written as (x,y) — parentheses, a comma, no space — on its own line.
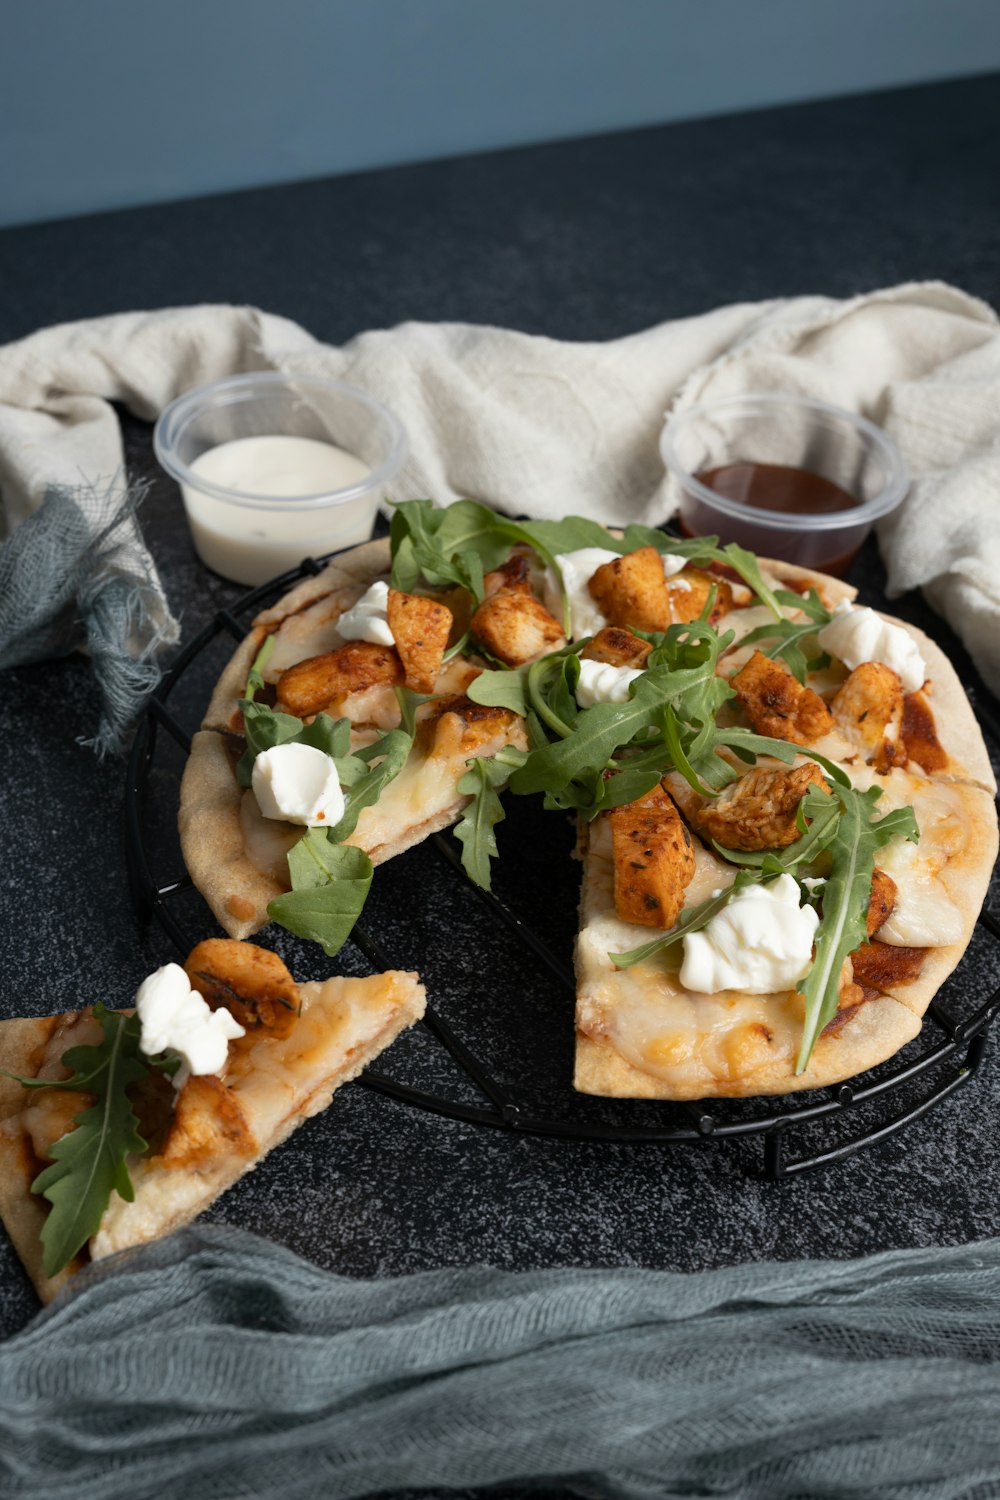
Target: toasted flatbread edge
(874,1033)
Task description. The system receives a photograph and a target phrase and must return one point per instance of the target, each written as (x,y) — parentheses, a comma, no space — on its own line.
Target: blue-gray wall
(105,103)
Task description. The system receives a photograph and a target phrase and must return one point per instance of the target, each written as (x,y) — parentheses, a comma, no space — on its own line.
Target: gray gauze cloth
(213,1365)
(530,425)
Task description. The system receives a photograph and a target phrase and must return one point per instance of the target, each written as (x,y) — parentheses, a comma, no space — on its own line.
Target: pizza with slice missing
(104,1144)
(786,809)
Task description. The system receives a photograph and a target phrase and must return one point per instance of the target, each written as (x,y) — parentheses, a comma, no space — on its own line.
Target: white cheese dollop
(860,635)
(368,619)
(298,784)
(760,943)
(175,1018)
(924,915)
(602,682)
(577,569)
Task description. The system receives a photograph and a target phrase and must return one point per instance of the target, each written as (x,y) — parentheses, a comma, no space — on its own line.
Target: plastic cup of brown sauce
(787,476)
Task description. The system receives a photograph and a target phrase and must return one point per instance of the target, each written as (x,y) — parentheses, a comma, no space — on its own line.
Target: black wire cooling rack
(799,1133)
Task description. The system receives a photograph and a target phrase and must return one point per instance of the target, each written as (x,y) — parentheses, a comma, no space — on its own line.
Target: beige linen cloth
(545,428)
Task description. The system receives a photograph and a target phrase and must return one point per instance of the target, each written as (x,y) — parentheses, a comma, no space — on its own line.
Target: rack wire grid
(799,1132)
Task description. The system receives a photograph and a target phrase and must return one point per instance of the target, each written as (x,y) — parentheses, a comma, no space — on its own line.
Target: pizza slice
(643,1032)
(318,667)
(297,1044)
(662,1025)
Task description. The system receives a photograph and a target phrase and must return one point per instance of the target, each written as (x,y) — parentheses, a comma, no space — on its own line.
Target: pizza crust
(957,728)
(212,839)
(964,877)
(872,1034)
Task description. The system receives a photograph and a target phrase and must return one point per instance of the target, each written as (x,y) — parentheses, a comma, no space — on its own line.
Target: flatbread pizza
(786,805)
(181,1140)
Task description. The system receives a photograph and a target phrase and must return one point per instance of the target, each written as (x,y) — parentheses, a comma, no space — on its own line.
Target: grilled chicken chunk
(515,626)
(882,966)
(321,683)
(457,726)
(654,859)
(514,575)
(420,627)
(688,594)
(777,704)
(253,983)
(758,811)
(633,591)
(881,901)
(869,710)
(617,647)
(208,1119)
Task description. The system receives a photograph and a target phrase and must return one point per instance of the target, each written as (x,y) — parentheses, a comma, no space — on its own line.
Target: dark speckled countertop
(585,240)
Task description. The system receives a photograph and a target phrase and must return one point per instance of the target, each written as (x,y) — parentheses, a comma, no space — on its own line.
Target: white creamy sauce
(175,1018)
(601,682)
(298,784)
(760,943)
(577,569)
(368,620)
(252,543)
(860,635)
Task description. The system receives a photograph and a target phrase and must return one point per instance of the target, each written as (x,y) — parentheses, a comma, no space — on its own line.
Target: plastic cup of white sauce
(274,468)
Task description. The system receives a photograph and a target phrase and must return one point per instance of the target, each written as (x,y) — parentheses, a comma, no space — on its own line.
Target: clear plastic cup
(795,432)
(266,523)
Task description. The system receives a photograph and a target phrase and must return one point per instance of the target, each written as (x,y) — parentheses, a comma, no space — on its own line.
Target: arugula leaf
(391,751)
(255,677)
(263,729)
(481,782)
(330,884)
(693,549)
(746,565)
(692,919)
(599,731)
(409,702)
(332,736)
(501,689)
(440,544)
(552,682)
(91,1160)
(788,635)
(324,906)
(843,925)
(450,546)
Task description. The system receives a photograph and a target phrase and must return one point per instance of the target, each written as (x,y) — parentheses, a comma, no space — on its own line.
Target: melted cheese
(309,632)
(924,915)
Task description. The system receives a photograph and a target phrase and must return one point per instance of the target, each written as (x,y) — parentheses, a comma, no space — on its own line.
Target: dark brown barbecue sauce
(785,491)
